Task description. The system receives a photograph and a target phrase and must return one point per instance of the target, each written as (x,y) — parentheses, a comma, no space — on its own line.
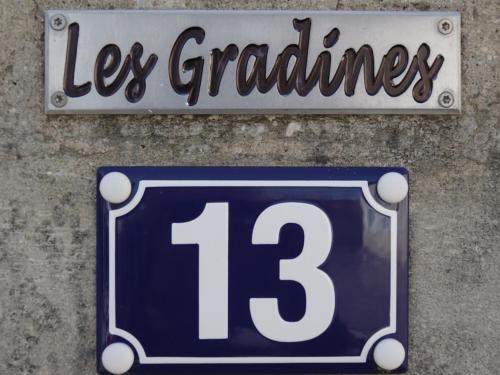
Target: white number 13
(210,232)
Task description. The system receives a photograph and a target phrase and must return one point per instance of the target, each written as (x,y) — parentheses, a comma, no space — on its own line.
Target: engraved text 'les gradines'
(395,63)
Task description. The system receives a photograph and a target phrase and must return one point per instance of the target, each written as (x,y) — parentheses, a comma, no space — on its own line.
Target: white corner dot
(115,187)
(117,358)
(392,187)
(389,354)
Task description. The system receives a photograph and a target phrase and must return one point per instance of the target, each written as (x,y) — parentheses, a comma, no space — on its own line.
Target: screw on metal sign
(446,99)
(59,99)
(445,26)
(58,22)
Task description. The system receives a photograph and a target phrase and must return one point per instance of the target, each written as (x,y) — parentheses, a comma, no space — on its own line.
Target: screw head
(59,99)
(445,26)
(58,22)
(446,99)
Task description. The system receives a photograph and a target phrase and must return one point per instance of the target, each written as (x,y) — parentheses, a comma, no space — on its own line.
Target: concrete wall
(47,217)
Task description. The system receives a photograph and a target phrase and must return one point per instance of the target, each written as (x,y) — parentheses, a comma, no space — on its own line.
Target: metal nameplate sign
(264,270)
(252,62)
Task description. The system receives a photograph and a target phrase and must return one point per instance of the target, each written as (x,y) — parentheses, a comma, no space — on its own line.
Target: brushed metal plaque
(150,61)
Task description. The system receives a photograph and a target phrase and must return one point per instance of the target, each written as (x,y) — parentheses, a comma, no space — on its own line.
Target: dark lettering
(303,84)
(396,61)
(396,73)
(354,62)
(218,64)
(327,87)
(192,88)
(423,88)
(257,76)
(107,63)
(393,65)
(286,84)
(137,86)
(69,87)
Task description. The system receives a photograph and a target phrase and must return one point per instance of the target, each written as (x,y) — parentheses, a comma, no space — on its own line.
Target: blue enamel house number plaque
(252,270)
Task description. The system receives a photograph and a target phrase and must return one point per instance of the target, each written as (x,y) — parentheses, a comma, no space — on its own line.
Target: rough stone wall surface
(47,201)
